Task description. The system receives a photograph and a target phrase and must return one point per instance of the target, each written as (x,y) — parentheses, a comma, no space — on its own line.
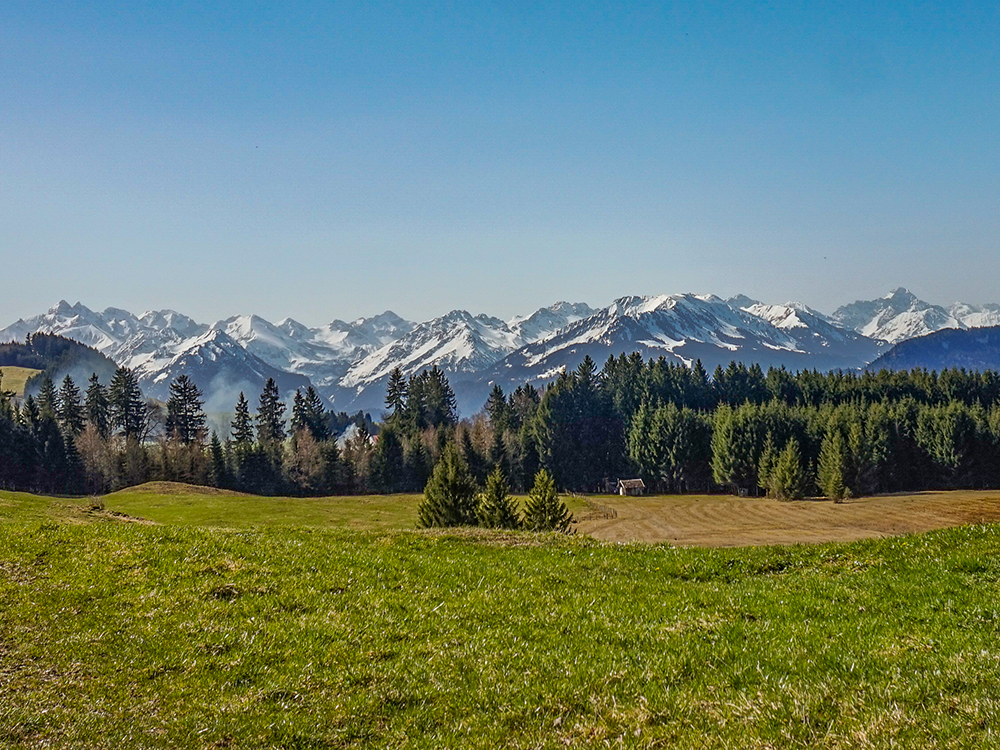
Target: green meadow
(14,378)
(280,626)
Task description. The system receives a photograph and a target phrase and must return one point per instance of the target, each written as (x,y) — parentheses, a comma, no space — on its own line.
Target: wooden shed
(631,487)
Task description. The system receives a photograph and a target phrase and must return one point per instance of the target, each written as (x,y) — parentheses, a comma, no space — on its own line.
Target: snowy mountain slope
(686,327)
(816,333)
(975,316)
(895,317)
(349,362)
(546,321)
(459,343)
(456,342)
(682,328)
(217,364)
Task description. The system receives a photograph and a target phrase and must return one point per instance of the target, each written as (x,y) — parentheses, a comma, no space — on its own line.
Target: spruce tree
(270,415)
(418,469)
(496,509)
(128,410)
(70,410)
(473,459)
(219,465)
(498,451)
(544,510)
(242,430)
(497,408)
(450,494)
(396,393)
(46,400)
(388,467)
(768,459)
(298,421)
(788,480)
(315,415)
(185,417)
(96,407)
(830,472)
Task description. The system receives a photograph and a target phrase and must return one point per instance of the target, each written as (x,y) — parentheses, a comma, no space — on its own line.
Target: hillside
(972,349)
(15,378)
(57,356)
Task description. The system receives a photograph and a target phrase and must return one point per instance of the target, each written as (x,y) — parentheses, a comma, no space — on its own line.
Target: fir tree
(97,408)
(473,459)
(185,417)
(270,415)
(788,479)
(768,459)
(418,468)
(315,415)
(497,408)
(395,393)
(298,421)
(496,509)
(70,410)
(498,452)
(242,431)
(388,467)
(450,494)
(544,510)
(830,472)
(128,410)
(219,465)
(46,400)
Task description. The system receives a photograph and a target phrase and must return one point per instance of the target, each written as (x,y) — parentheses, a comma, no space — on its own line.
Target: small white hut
(631,487)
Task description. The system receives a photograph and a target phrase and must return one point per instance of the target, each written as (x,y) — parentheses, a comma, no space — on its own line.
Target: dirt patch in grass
(726,521)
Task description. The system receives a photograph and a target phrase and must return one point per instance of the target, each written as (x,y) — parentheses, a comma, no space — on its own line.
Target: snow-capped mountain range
(350,362)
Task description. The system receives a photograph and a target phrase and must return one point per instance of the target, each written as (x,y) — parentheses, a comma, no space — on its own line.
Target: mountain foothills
(349,363)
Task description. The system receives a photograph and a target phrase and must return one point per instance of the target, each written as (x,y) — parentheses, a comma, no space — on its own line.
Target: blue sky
(322,160)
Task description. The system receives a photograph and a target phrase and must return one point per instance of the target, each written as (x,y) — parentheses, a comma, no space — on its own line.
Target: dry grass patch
(727,521)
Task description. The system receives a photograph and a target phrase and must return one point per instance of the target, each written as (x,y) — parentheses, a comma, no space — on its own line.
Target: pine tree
(388,467)
(128,410)
(450,494)
(97,408)
(418,469)
(473,459)
(498,452)
(270,415)
(497,408)
(219,465)
(788,478)
(185,417)
(768,459)
(242,431)
(544,510)
(396,393)
(315,415)
(70,410)
(830,472)
(496,509)
(299,421)
(46,400)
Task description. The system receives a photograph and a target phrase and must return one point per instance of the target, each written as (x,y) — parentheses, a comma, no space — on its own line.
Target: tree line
(740,430)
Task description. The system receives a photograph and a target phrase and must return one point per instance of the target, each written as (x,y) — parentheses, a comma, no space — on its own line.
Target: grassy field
(186,505)
(121,634)
(14,378)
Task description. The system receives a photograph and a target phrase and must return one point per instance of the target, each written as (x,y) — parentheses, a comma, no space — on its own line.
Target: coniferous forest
(739,430)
